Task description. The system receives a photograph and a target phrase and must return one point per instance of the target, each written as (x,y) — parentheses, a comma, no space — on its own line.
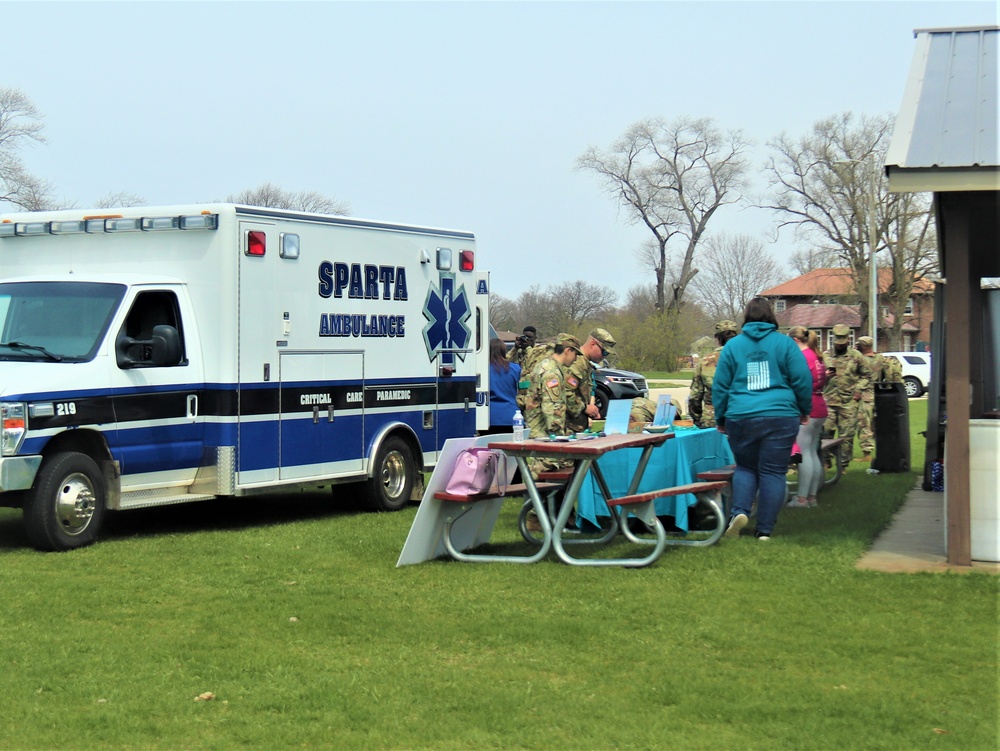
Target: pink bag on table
(475,471)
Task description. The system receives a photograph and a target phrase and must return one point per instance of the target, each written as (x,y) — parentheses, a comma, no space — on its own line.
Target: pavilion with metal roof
(946,142)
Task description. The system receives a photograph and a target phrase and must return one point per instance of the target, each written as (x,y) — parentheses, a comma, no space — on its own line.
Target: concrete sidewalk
(915,540)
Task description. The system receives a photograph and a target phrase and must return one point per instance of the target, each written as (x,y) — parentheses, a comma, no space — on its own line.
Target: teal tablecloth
(676,462)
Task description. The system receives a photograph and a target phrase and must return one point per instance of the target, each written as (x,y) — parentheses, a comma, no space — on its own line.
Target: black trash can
(892,428)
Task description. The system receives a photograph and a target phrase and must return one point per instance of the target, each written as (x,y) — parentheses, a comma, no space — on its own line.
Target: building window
(909,307)
(779,306)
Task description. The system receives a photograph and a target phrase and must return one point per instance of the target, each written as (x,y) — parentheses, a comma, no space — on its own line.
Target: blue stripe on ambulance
(167,439)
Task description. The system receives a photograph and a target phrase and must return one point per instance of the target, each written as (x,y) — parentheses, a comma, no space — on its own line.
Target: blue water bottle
(518,426)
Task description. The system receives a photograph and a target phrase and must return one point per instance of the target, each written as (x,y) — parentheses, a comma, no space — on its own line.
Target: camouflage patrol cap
(865,341)
(726,326)
(604,338)
(841,332)
(567,340)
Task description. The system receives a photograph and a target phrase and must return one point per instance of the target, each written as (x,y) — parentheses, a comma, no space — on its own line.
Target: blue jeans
(762,447)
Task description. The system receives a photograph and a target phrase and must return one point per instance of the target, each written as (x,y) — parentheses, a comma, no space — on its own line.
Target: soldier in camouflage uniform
(583,407)
(522,345)
(700,399)
(546,402)
(531,358)
(866,407)
(644,410)
(849,376)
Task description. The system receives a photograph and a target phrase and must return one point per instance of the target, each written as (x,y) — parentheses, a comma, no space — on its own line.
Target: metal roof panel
(949,114)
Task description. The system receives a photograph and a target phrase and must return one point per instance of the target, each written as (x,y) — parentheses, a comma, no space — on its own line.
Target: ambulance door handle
(316,415)
(192,406)
(329,413)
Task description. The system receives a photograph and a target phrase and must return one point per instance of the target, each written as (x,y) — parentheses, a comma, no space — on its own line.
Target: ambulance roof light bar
(108,223)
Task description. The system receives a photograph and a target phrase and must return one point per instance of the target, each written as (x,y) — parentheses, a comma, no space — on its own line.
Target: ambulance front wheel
(392,481)
(65,507)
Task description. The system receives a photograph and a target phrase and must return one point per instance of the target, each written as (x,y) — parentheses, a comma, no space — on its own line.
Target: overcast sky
(461,115)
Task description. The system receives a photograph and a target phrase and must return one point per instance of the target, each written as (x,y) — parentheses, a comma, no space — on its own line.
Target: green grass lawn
(291,612)
(664,380)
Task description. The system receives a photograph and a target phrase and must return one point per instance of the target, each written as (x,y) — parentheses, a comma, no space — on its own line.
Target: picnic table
(584,453)
(454,525)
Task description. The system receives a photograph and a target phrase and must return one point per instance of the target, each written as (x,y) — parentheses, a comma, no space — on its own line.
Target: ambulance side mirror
(163,348)
(166,346)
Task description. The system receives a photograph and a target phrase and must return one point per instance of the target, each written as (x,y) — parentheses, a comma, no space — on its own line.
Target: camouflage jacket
(876,365)
(578,378)
(700,399)
(644,410)
(518,355)
(530,358)
(852,376)
(545,402)
(892,371)
(579,387)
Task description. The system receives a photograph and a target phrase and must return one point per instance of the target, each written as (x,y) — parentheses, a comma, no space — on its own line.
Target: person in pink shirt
(811,468)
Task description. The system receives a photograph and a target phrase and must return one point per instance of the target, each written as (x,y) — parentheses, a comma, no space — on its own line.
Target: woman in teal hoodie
(762,392)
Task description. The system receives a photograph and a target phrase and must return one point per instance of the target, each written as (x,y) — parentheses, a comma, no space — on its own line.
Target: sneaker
(812,502)
(571,527)
(797,503)
(736,525)
(761,536)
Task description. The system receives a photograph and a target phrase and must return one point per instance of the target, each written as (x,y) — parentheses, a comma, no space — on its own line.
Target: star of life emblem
(446,309)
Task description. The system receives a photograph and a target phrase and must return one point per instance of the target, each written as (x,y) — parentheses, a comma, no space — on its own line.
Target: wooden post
(958,315)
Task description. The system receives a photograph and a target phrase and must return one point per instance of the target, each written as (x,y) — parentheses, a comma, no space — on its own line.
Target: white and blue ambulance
(153,356)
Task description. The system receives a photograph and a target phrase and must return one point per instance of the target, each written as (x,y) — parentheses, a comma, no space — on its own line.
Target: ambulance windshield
(55,321)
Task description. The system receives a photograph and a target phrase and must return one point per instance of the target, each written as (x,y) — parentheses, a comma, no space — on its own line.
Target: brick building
(825,297)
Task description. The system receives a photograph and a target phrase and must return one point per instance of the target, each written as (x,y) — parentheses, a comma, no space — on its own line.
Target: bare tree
(271,196)
(672,177)
(810,259)
(911,245)
(20,125)
(119,198)
(640,301)
(826,185)
(533,309)
(578,302)
(569,307)
(734,268)
(503,312)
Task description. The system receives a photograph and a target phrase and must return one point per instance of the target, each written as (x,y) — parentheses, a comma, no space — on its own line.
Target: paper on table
(616,423)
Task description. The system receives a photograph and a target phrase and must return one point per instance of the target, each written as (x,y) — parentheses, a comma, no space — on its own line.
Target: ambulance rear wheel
(65,507)
(392,481)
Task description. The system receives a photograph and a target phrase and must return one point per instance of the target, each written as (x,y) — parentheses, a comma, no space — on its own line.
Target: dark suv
(612,383)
